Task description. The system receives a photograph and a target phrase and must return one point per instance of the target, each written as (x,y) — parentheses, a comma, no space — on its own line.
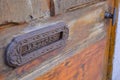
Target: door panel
(84,57)
(85,53)
(64,6)
(82,66)
(21,11)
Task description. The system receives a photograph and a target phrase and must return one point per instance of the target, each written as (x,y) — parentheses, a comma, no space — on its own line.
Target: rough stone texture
(22,10)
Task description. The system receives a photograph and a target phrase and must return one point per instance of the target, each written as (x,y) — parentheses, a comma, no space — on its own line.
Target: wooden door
(85,54)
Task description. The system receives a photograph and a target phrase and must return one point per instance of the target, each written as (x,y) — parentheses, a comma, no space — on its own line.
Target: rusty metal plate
(31,45)
(62,6)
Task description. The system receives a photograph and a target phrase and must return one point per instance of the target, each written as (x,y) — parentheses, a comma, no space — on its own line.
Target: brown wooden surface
(111,40)
(86,65)
(83,57)
(19,11)
(64,6)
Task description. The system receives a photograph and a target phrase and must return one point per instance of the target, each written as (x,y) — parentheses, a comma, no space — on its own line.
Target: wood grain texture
(111,39)
(86,65)
(19,11)
(63,6)
(87,28)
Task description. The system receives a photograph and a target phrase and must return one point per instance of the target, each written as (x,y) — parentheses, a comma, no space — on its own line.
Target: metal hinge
(112,16)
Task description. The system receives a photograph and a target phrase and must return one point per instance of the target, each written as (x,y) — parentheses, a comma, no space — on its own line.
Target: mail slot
(29,46)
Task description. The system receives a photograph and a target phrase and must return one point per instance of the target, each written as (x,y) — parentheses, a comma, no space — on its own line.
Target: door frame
(111,42)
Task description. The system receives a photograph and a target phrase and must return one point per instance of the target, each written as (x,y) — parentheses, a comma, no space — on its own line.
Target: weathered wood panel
(87,30)
(62,6)
(87,35)
(19,11)
(86,65)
